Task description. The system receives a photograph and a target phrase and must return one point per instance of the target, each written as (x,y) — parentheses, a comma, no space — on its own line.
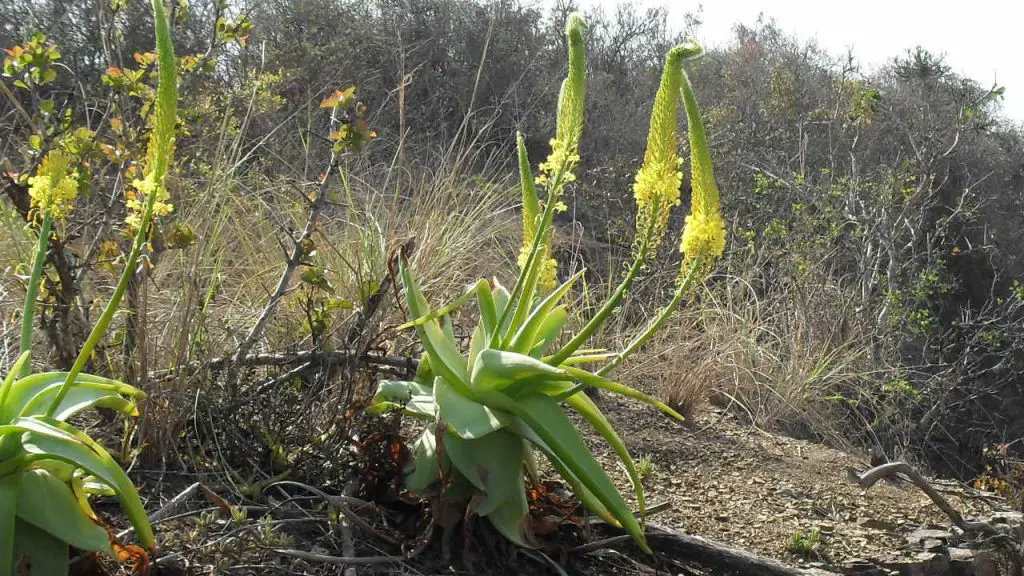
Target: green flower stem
(681,290)
(161,145)
(606,310)
(32,292)
(530,271)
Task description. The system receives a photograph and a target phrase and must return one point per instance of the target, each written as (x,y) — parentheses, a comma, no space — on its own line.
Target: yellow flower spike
(704,234)
(52,191)
(531,219)
(657,184)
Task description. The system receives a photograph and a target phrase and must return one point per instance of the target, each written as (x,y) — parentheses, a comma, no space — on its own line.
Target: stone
(919,538)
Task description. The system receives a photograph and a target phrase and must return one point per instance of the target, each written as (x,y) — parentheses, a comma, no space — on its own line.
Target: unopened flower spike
(657,184)
(704,235)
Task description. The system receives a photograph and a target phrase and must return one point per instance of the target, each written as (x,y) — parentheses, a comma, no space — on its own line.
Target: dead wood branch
(316,356)
(868,479)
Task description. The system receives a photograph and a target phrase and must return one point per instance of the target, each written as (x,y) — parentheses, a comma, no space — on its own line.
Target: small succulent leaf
(547,419)
(444,355)
(525,338)
(9,487)
(596,381)
(511,518)
(50,505)
(423,468)
(493,464)
(464,417)
(586,408)
(47,554)
(424,375)
(549,331)
(499,369)
(84,452)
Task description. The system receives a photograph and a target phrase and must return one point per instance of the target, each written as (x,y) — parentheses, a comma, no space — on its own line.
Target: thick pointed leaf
(488,312)
(46,384)
(477,343)
(423,469)
(85,453)
(445,359)
(524,339)
(9,488)
(9,380)
(596,381)
(49,504)
(512,519)
(77,399)
(544,416)
(494,464)
(585,496)
(498,369)
(549,331)
(399,390)
(47,554)
(464,417)
(586,408)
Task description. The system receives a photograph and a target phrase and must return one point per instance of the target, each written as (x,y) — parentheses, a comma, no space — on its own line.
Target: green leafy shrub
(48,468)
(491,407)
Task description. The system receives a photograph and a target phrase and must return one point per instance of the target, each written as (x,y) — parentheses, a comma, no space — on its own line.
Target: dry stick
(343,503)
(868,479)
(286,359)
(348,546)
(294,261)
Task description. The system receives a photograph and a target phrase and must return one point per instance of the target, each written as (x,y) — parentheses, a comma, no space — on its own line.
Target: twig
(868,479)
(340,560)
(343,503)
(174,503)
(400,362)
(295,259)
(348,547)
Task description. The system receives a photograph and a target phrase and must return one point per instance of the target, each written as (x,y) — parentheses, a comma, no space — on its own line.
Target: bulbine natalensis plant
(490,408)
(48,468)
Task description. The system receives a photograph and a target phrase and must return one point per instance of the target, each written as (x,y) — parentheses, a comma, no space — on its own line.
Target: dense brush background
(868,296)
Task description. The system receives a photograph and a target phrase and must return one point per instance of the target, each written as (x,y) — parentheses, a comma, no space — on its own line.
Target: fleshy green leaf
(9,487)
(445,358)
(424,468)
(603,383)
(498,369)
(84,452)
(511,518)
(47,554)
(493,463)
(49,504)
(549,331)
(586,408)
(544,416)
(464,417)
(525,338)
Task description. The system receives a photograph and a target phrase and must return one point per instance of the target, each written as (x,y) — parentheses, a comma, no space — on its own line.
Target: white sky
(980,38)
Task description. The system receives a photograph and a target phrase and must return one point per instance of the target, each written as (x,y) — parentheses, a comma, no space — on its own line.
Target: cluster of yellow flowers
(136,201)
(704,235)
(52,191)
(562,159)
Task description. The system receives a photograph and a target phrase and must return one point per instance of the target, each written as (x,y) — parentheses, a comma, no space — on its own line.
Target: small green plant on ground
(804,543)
(48,468)
(490,408)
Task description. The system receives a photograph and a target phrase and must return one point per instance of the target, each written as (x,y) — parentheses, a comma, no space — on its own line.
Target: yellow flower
(136,201)
(704,236)
(52,191)
(705,230)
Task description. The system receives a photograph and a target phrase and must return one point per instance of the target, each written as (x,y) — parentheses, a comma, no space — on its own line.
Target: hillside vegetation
(331,158)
